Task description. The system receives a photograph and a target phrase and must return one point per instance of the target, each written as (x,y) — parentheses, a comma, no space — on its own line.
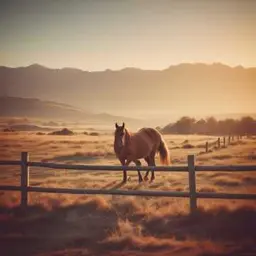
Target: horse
(145,143)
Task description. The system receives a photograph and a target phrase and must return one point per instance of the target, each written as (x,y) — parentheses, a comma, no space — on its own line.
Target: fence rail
(191,169)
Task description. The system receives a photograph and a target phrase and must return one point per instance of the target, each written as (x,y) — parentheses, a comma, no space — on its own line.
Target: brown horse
(143,144)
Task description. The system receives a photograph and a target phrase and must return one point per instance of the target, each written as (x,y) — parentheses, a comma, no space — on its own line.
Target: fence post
(206,147)
(192,183)
(24,179)
(218,141)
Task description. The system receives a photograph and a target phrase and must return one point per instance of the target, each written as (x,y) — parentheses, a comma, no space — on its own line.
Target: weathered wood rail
(191,169)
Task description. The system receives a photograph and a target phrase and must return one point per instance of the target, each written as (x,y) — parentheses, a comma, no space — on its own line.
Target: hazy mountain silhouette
(185,89)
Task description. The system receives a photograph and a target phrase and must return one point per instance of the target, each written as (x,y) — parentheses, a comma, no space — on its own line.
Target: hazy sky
(96,35)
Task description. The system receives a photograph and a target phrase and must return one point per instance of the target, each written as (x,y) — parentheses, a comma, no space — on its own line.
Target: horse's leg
(125,163)
(152,158)
(151,162)
(148,162)
(138,163)
(124,171)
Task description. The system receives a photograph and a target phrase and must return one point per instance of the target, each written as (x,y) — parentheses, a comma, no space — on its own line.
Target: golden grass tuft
(99,203)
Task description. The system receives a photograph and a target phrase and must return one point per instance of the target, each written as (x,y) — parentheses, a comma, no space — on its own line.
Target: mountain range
(185,89)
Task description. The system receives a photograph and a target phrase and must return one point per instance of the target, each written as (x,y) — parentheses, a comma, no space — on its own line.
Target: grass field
(57,224)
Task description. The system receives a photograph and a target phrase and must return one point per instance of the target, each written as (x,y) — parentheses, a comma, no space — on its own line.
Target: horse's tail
(164,152)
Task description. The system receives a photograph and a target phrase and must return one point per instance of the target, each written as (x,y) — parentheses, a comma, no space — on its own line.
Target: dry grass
(97,227)
(117,225)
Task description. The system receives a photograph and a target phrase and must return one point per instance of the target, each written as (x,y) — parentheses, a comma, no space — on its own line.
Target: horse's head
(119,134)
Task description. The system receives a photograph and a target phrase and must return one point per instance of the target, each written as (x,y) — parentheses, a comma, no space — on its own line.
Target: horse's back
(143,142)
(152,133)
(149,136)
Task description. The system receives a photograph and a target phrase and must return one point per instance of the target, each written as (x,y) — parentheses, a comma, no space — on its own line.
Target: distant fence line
(225,141)
(191,168)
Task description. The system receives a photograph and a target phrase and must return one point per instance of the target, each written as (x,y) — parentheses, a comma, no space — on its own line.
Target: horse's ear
(123,125)
(116,125)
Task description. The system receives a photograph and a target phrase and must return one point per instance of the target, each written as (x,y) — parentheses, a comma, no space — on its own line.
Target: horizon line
(131,67)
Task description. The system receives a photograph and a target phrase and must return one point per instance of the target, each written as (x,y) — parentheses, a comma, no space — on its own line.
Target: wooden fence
(191,169)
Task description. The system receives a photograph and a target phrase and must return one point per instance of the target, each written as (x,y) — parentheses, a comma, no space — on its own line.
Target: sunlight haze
(99,35)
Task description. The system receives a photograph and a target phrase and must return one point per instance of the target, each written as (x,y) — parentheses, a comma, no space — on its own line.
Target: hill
(35,108)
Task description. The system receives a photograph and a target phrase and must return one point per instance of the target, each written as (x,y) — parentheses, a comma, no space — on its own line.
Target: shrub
(40,133)
(64,131)
(8,130)
(94,134)
(188,146)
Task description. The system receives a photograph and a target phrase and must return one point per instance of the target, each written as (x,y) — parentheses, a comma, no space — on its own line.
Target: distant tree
(211,125)
(247,126)
(185,125)
(169,129)
(200,127)
(227,126)
(188,125)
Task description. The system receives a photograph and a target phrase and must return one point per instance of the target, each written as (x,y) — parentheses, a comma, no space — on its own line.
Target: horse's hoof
(151,180)
(145,178)
(126,179)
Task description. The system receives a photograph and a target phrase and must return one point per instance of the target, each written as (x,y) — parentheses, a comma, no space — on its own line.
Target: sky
(114,34)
